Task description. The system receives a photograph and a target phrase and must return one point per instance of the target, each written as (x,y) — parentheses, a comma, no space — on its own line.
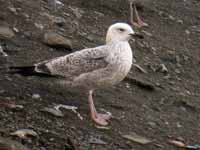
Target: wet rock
(52,111)
(147,33)
(187,31)
(52,4)
(102,127)
(39,26)
(24,133)
(77,12)
(26,16)
(2,52)
(67,107)
(36,96)
(12,105)
(93,140)
(60,21)
(141,83)
(177,71)
(15,29)
(55,40)
(180,21)
(6,33)
(171,17)
(195,29)
(140,68)
(136,138)
(13,10)
(2,91)
(163,68)
(7,144)
(151,124)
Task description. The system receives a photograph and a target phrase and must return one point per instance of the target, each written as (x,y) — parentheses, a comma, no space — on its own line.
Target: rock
(140,83)
(2,52)
(137,138)
(195,29)
(24,133)
(163,68)
(93,140)
(55,5)
(177,71)
(151,124)
(171,17)
(140,68)
(36,96)
(54,112)
(52,4)
(77,12)
(15,29)
(13,10)
(60,21)
(147,33)
(7,144)
(187,31)
(12,105)
(180,21)
(56,40)
(6,33)
(39,26)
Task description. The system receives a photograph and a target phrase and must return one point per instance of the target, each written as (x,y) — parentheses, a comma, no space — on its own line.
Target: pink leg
(100,119)
(139,22)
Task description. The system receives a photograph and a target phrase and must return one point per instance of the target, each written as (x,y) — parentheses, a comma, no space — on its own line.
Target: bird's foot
(104,116)
(101,119)
(140,24)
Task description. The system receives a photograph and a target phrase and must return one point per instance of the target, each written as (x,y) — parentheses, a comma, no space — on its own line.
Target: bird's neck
(116,42)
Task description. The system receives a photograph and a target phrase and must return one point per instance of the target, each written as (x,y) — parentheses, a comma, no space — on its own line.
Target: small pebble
(187,31)
(171,17)
(36,96)
(180,21)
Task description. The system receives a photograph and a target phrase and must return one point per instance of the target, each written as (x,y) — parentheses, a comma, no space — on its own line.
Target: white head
(119,32)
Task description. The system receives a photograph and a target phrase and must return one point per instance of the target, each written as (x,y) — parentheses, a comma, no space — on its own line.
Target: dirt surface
(169,111)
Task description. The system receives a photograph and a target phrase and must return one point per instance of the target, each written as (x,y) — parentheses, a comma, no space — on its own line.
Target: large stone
(55,40)
(6,33)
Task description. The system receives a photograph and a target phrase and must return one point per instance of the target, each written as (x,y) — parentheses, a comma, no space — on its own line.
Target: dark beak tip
(137,35)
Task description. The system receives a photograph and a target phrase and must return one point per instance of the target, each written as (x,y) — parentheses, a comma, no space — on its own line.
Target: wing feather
(77,63)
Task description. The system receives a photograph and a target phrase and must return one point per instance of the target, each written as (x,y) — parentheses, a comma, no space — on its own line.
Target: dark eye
(121,29)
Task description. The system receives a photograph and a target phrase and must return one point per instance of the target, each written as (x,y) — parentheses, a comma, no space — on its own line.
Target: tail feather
(32,71)
(27,71)
(23,70)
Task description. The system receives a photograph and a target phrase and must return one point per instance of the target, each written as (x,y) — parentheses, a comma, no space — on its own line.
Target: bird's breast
(122,63)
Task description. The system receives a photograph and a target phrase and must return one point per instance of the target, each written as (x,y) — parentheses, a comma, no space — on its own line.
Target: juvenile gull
(90,68)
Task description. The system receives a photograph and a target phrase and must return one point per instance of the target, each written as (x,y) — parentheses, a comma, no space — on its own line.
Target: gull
(90,68)
(133,10)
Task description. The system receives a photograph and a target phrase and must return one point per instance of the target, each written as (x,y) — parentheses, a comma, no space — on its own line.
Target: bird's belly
(112,74)
(121,72)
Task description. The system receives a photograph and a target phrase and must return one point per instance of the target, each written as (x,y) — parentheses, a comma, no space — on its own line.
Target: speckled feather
(93,67)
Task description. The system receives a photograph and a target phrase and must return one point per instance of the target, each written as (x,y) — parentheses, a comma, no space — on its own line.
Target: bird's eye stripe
(121,29)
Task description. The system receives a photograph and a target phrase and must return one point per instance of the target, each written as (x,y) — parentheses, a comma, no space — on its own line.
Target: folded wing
(75,64)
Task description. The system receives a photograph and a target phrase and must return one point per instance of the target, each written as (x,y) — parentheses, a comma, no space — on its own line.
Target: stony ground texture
(159,103)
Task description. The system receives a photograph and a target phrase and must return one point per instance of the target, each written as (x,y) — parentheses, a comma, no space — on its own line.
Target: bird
(133,10)
(90,68)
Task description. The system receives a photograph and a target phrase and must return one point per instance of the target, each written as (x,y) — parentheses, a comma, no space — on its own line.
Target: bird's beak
(136,35)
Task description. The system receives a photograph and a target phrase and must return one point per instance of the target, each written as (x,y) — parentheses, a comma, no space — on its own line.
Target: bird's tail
(23,70)
(28,71)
